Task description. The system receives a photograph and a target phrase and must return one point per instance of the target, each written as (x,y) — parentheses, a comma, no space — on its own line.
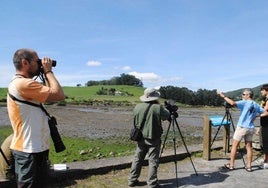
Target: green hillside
(122,93)
(88,94)
(236,94)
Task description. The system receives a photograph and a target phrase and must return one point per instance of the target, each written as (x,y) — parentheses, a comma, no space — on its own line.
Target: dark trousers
(264,137)
(31,169)
(152,149)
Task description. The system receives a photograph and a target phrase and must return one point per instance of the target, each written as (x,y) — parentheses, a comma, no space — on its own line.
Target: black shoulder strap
(29,103)
(144,117)
(26,102)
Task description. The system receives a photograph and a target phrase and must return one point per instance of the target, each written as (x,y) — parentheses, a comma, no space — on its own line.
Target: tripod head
(172,108)
(227,105)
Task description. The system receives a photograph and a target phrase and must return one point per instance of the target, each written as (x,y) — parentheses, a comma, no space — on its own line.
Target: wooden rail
(207,141)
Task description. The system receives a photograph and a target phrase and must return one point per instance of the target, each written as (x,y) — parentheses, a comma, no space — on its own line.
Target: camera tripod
(172,123)
(4,156)
(10,170)
(228,118)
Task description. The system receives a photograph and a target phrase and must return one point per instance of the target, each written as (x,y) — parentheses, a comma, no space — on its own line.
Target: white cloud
(153,80)
(93,63)
(172,79)
(146,77)
(126,68)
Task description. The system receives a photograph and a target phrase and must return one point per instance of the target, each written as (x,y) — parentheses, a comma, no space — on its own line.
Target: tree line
(203,97)
(183,95)
(123,79)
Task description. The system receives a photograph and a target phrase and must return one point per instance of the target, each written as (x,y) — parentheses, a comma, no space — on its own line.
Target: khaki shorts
(245,133)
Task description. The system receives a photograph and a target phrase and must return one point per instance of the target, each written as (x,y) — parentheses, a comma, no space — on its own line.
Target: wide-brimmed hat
(150,94)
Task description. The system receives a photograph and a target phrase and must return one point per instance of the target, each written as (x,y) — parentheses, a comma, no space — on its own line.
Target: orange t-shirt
(29,123)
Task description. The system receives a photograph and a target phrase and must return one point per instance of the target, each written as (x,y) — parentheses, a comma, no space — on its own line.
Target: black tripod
(174,122)
(227,120)
(4,156)
(10,171)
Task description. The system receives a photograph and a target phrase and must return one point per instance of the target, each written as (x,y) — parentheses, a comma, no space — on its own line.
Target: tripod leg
(185,146)
(226,138)
(4,156)
(218,129)
(164,143)
(175,153)
(174,145)
(215,136)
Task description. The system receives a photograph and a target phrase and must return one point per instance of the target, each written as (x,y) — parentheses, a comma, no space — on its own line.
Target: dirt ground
(92,122)
(96,122)
(104,122)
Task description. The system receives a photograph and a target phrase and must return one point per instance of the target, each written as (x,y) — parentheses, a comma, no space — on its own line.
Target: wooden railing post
(207,138)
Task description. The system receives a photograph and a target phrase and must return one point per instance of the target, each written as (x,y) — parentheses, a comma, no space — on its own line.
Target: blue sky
(198,44)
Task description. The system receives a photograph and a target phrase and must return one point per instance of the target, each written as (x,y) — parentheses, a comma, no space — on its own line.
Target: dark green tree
(124,79)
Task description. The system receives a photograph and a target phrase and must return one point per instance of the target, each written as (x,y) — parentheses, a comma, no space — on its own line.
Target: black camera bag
(135,134)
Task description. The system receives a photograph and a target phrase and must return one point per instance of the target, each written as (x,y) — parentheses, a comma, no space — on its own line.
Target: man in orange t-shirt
(30,144)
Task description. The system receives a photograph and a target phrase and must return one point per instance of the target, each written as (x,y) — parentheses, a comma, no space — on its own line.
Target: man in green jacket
(151,142)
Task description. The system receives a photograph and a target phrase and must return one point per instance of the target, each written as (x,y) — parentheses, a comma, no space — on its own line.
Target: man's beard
(34,73)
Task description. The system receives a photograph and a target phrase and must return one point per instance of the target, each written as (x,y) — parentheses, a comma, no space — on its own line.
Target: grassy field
(81,149)
(3,94)
(79,95)
(85,92)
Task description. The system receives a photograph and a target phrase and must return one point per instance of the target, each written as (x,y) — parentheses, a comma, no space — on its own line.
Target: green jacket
(152,128)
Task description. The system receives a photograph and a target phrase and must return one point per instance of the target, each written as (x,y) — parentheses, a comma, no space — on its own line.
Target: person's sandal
(248,169)
(228,166)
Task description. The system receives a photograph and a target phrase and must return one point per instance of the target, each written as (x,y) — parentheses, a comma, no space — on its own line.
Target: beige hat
(150,94)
